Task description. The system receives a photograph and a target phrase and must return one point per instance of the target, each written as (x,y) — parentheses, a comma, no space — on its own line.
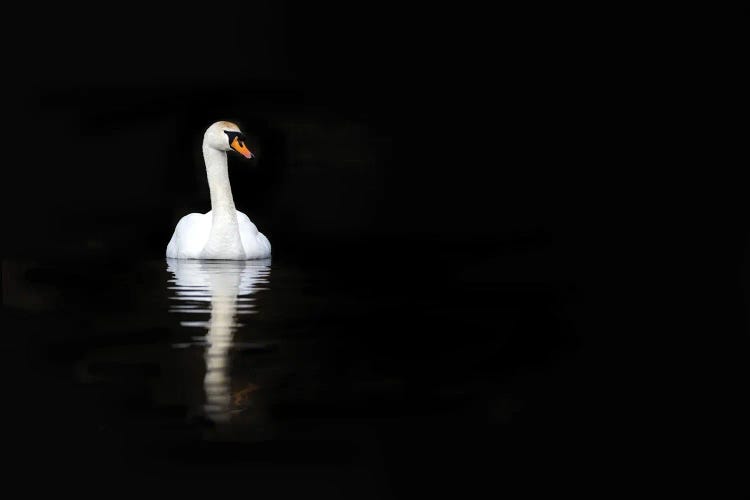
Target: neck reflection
(225,287)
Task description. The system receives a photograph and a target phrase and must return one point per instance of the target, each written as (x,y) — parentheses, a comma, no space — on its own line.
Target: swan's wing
(246,225)
(190,236)
(255,244)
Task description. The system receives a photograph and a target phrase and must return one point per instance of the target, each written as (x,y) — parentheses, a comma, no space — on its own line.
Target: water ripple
(225,287)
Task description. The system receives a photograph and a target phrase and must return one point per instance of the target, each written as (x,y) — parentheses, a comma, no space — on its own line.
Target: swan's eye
(231,134)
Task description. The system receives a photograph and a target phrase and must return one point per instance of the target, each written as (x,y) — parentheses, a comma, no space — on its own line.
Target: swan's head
(226,136)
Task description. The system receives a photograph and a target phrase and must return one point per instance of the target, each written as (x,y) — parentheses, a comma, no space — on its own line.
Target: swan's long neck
(218,181)
(224,238)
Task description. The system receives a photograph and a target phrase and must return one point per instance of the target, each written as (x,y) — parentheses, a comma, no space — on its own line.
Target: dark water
(338,379)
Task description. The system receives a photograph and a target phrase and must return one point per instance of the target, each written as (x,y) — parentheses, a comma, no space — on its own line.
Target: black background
(381,131)
(387,124)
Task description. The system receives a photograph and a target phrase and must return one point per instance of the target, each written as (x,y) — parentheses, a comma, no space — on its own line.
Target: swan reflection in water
(222,289)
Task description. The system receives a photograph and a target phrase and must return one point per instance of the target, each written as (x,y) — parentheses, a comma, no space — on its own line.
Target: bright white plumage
(191,236)
(223,232)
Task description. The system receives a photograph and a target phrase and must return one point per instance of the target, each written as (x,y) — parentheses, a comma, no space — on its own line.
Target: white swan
(224,232)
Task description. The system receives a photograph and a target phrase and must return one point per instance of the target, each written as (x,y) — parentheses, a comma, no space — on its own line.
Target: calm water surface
(320,378)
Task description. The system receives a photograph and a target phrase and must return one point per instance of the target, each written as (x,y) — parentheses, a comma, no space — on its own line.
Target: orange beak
(240,147)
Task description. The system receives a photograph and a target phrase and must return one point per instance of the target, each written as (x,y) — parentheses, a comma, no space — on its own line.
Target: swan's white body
(224,232)
(193,232)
